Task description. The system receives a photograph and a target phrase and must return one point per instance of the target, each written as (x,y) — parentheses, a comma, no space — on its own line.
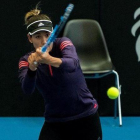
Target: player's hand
(43,57)
(31,60)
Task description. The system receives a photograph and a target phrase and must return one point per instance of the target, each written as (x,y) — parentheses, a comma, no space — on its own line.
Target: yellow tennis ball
(113,93)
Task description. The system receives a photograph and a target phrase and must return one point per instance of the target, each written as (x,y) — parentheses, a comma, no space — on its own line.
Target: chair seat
(97,65)
(92,72)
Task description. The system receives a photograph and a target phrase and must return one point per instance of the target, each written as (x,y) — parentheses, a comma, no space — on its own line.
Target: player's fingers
(29,59)
(32,58)
(38,51)
(50,47)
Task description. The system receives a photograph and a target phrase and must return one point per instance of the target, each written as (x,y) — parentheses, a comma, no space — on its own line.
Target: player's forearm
(28,83)
(54,61)
(69,64)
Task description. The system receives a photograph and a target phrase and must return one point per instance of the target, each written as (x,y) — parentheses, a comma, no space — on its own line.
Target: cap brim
(48,29)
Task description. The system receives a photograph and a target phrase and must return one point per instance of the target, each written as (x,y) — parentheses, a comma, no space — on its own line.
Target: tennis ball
(112,92)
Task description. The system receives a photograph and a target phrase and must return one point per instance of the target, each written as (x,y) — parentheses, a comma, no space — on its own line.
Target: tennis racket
(58,27)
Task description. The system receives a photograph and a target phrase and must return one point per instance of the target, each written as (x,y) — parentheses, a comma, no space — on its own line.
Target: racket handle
(50,39)
(35,62)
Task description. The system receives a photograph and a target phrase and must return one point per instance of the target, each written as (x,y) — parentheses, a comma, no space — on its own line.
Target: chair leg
(119,88)
(119,107)
(119,100)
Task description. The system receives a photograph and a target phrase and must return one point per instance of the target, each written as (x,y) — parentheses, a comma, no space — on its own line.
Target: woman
(70,109)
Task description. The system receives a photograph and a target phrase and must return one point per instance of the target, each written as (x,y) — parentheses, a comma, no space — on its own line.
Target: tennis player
(70,109)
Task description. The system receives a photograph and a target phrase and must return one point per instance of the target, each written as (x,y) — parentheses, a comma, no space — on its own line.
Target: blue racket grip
(50,39)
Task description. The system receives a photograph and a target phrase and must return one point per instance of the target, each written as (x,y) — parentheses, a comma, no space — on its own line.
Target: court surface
(28,128)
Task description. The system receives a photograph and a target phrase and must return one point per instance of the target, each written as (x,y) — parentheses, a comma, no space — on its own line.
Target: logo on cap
(40,24)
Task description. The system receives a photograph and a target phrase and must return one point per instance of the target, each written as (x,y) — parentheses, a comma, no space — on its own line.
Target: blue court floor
(28,128)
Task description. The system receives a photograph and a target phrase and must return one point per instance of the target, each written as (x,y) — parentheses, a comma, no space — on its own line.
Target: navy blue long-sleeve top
(64,89)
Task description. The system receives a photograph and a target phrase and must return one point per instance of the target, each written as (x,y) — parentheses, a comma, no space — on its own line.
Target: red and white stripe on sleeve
(23,64)
(64,44)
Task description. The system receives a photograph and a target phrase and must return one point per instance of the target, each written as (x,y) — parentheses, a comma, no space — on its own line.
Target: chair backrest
(88,38)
